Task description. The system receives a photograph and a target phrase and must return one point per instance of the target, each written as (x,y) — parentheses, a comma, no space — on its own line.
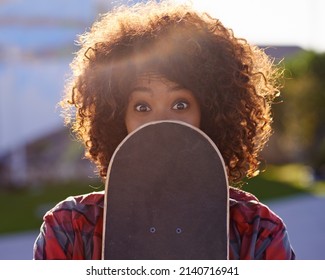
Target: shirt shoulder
(248,207)
(74,212)
(72,229)
(249,216)
(79,203)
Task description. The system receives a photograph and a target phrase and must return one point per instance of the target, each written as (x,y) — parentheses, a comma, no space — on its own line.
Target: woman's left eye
(142,108)
(181,105)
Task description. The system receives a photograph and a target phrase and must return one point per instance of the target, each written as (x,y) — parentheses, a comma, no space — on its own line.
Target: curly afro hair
(235,83)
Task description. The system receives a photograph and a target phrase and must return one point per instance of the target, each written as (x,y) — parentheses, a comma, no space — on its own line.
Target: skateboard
(166,196)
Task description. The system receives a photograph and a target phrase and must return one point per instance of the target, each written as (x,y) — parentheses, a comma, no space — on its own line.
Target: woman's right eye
(142,108)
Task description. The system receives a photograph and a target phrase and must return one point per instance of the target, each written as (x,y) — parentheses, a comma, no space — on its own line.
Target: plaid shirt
(73,230)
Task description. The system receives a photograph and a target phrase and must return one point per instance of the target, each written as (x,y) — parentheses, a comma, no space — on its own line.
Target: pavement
(303,215)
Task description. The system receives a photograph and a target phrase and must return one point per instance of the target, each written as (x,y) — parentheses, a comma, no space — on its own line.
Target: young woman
(165,61)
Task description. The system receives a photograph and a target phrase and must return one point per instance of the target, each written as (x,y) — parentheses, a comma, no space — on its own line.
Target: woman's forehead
(150,77)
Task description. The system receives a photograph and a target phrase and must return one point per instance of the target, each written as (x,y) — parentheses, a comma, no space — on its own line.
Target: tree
(300,117)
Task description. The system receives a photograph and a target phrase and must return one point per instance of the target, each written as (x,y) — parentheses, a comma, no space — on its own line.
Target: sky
(272,22)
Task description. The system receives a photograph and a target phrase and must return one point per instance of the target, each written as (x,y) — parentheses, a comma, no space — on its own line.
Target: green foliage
(284,181)
(299,119)
(23,209)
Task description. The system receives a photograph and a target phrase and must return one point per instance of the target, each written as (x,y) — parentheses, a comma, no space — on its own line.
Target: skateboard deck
(166,196)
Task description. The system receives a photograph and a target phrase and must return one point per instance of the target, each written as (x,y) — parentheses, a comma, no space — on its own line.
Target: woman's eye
(142,108)
(181,105)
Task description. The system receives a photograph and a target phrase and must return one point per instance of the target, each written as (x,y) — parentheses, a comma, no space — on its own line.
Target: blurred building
(37,41)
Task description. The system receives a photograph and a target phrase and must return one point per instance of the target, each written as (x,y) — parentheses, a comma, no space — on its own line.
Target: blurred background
(41,163)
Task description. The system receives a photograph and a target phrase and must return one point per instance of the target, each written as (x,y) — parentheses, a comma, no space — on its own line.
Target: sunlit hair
(233,82)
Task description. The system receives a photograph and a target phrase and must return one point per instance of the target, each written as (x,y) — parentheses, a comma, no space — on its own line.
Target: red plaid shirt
(73,230)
